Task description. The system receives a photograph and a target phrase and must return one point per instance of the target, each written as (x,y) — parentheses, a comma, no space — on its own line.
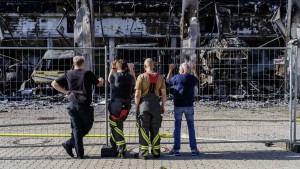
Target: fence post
(293,145)
(296,92)
(297,61)
(291,94)
(106,88)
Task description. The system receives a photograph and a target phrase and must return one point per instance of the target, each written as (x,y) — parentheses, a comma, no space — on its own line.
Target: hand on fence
(171,67)
(114,64)
(193,66)
(101,81)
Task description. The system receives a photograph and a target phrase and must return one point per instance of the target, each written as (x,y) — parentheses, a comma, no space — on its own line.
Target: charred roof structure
(24,22)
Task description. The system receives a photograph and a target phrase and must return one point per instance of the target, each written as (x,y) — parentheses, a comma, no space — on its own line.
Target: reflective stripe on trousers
(117,139)
(149,122)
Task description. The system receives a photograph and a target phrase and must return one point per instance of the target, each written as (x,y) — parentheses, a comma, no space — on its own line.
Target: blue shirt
(183,89)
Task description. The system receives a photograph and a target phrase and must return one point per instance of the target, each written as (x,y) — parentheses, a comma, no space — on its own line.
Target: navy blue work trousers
(82,119)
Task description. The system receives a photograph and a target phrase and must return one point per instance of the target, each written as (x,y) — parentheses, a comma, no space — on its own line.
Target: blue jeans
(189,115)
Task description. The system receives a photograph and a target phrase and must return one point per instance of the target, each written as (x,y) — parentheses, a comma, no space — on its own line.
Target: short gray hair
(186,67)
(78,60)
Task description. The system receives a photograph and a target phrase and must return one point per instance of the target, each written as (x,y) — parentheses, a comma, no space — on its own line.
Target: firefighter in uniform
(121,82)
(149,86)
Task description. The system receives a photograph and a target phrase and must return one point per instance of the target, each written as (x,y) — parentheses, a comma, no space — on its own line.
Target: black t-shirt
(121,85)
(79,80)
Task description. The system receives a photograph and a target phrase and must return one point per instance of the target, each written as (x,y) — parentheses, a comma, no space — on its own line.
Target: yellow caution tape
(165,135)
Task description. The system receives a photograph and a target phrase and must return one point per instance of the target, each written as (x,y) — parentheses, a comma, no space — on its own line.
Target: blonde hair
(121,64)
(78,60)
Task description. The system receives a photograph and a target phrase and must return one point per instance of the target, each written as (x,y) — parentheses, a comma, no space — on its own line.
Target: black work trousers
(149,121)
(82,119)
(117,138)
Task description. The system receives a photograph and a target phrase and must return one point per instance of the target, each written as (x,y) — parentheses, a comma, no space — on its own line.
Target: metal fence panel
(243,94)
(29,107)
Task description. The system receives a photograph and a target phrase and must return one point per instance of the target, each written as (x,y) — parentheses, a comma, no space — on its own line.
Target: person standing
(184,84)
(149,86)
(77,86)
(121,79)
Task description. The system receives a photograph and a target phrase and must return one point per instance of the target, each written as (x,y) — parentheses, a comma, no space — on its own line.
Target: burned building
(24,22)
(165,23)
